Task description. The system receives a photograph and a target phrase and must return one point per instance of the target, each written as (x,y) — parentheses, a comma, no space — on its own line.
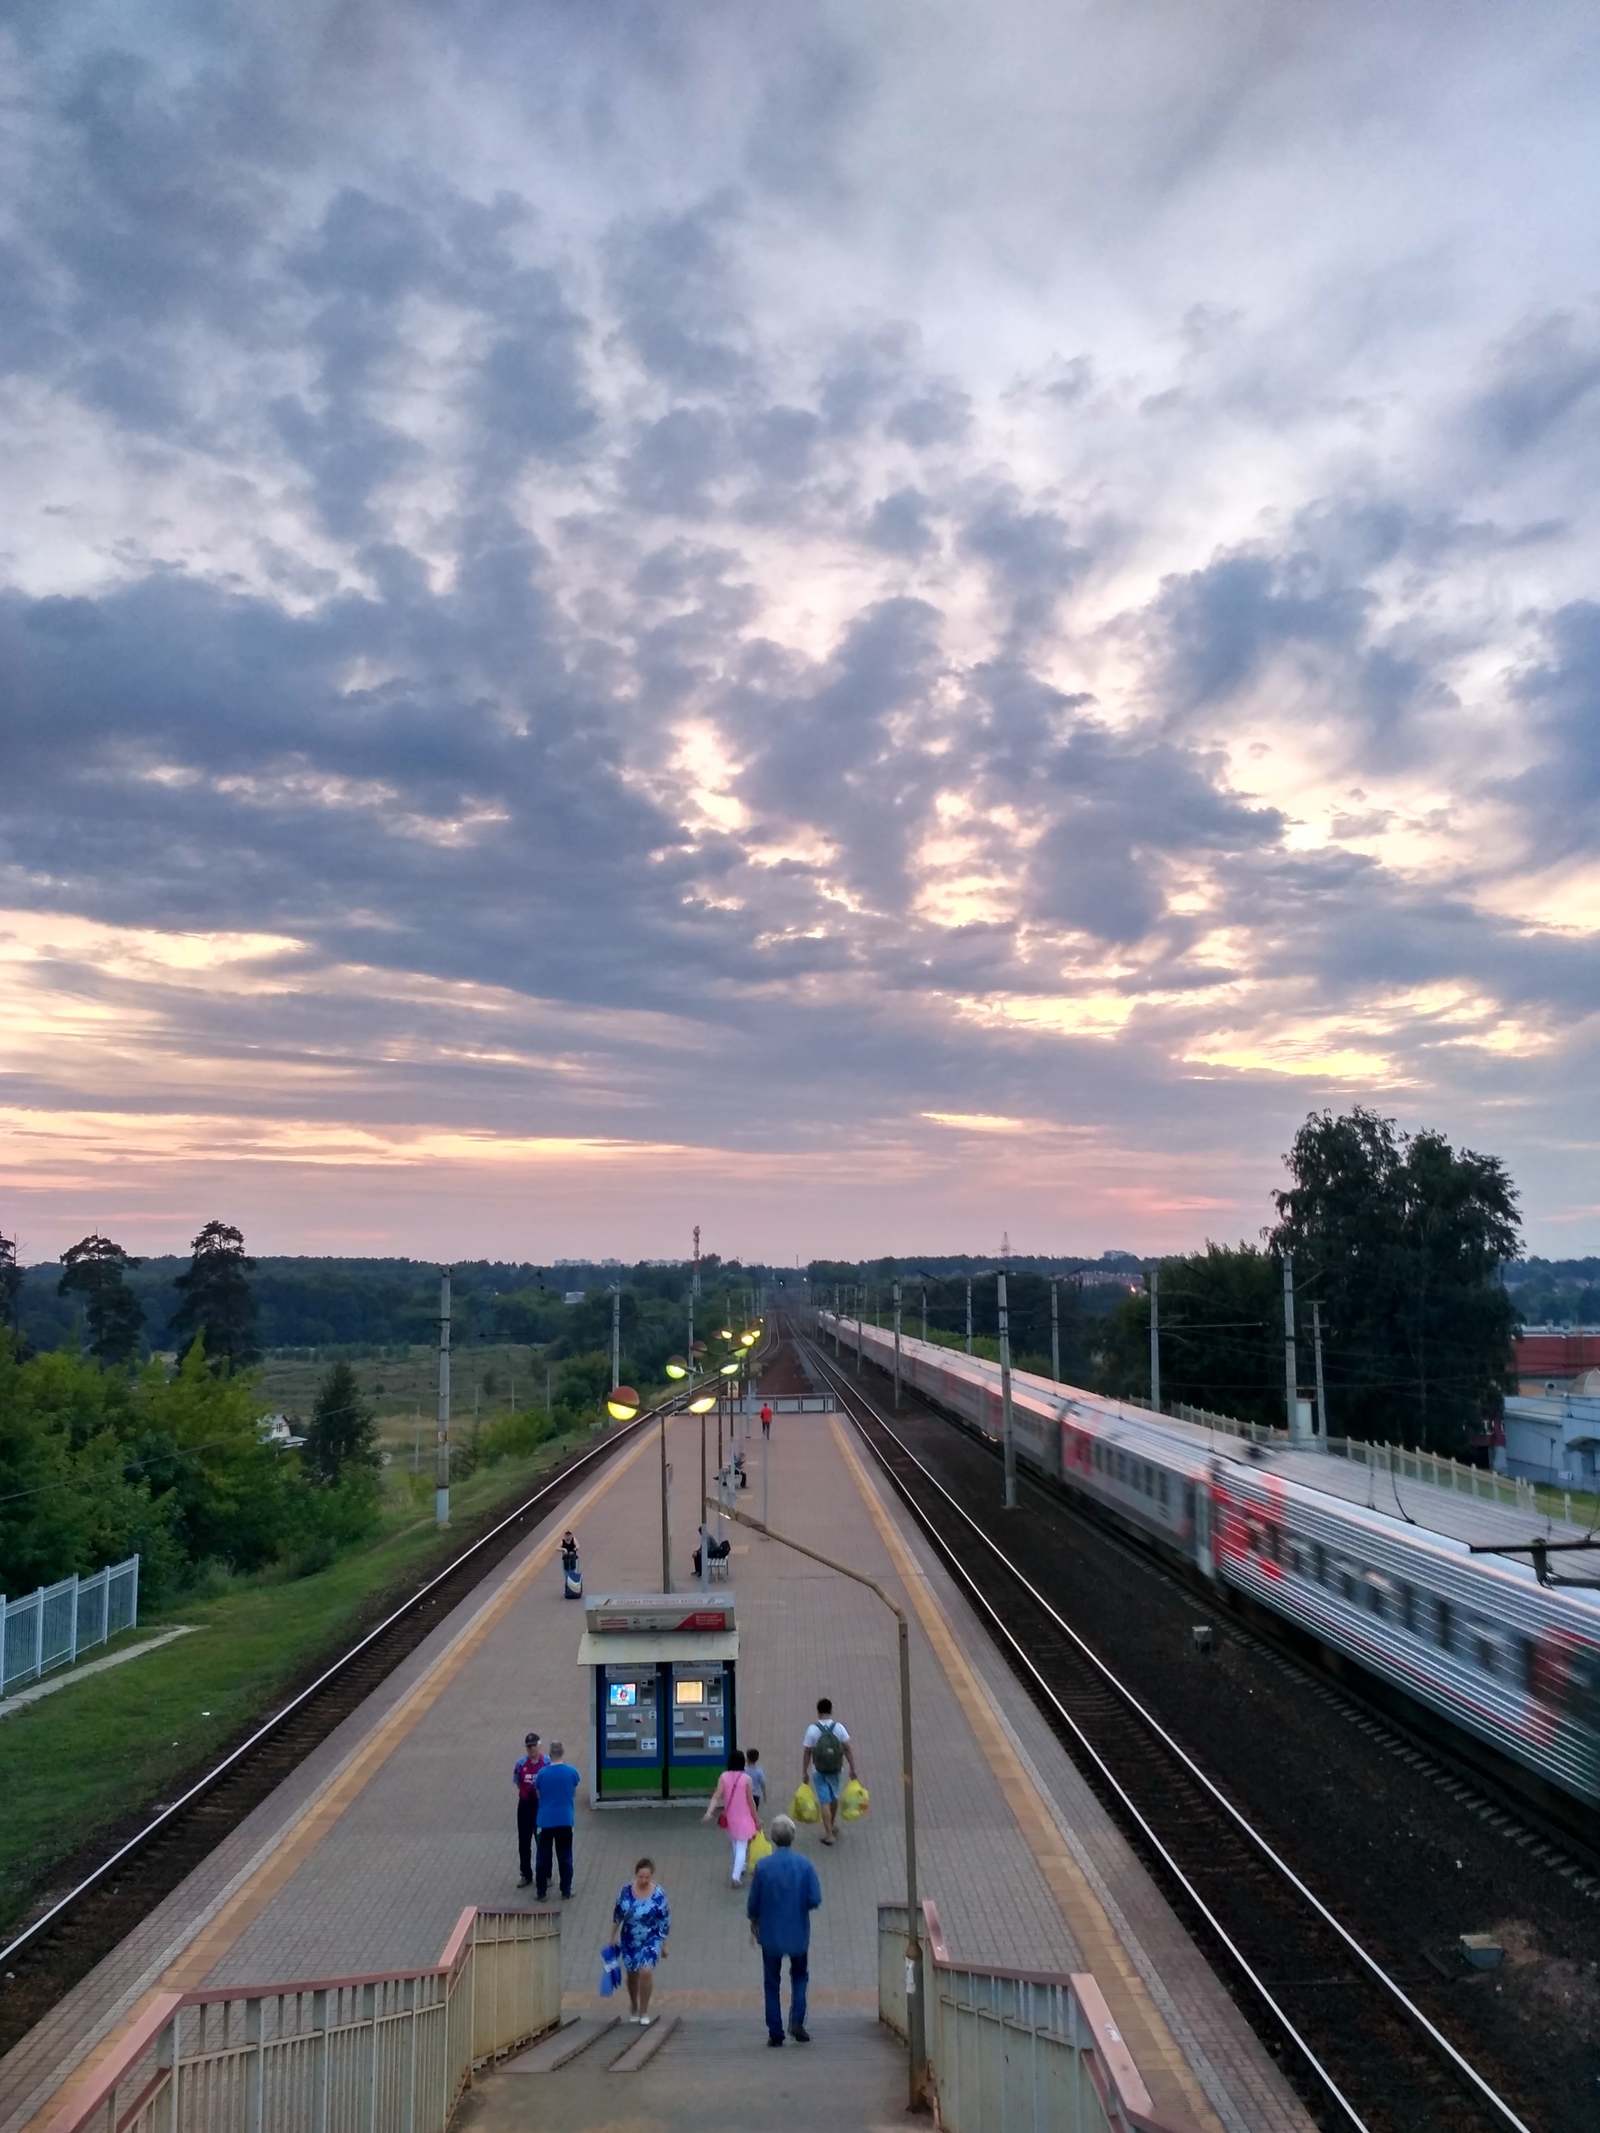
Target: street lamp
(676,1367)
(622,1403)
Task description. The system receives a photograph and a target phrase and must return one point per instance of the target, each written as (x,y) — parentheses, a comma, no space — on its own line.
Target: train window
(1488,1657)
(1408,1607)
(1319,1562)
(1347,1581)
(1162,1480)
(1374,1593)
(1444,1625)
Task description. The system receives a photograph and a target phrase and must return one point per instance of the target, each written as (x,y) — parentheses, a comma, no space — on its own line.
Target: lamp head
(622,1403)
(703,1403)
(676,1367)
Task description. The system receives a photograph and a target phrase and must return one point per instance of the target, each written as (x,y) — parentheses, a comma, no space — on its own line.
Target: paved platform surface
(366,1858)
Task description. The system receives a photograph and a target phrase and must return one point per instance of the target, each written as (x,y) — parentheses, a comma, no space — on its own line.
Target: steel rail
(1407,2005)
(269,1726)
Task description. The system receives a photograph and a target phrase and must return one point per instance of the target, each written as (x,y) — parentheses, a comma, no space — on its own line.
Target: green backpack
(827,1754)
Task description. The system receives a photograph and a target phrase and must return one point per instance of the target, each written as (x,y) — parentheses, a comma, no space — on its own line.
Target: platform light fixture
(622,1403)
(703,1403)
(731,1370)
(676,1367)
(748,1340)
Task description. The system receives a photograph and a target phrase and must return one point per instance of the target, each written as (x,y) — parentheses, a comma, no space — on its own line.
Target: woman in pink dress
(734,1806)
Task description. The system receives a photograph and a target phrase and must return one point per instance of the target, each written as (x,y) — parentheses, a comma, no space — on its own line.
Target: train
(1512,1663)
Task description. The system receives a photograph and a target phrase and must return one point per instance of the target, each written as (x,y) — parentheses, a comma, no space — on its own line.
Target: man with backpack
(825,1756)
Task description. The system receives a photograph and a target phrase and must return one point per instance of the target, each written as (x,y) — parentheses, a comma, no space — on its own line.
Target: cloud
(715,575)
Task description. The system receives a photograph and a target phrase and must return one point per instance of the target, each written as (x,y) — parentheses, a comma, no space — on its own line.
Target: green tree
(343,1430)
(10,1284)
(1402,1241)
(216,1303)
(1221,1316)
(97,1270)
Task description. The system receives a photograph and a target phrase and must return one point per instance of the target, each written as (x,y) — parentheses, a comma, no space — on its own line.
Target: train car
(1477,1639)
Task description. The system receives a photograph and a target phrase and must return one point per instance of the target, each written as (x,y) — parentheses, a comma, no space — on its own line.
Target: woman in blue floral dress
(643,1922)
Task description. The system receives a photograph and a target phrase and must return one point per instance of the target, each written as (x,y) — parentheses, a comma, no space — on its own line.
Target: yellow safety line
(1148,2037)
(206,1950)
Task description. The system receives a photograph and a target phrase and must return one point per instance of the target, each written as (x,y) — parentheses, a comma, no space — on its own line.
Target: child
(756,1775)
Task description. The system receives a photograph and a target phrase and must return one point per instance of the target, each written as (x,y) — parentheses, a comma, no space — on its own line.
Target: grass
(74,1764)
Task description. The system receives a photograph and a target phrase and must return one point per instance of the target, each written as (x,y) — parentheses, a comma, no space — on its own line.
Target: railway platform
(364,1861)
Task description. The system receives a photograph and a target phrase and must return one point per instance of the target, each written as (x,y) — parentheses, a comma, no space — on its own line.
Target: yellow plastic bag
(760,1845)
(804,1806)
(854,1800)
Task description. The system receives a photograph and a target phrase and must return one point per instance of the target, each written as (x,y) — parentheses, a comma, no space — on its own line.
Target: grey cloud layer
(541,498)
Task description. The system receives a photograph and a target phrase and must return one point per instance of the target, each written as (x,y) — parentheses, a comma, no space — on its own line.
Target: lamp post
(1005,1396)
(969,1314)
(916,2006)
(1055,1330)
(441,1469)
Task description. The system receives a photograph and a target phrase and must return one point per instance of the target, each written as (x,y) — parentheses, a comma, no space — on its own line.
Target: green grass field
(76,1762)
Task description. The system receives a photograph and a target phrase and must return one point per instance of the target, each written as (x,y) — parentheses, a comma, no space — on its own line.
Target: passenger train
(1511,1662)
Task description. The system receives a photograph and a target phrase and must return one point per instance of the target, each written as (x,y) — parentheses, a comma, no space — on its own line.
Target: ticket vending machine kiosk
(662,1697)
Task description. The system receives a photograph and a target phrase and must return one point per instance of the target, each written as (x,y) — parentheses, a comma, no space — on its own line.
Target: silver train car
(1512,1663)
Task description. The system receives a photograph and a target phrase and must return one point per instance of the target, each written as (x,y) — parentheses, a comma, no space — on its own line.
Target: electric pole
(441,1471)
(1322,1397)
(969,1314)
(1005,1396)
(616,1336)
(897,1347)
(1155,1338)
(1291,1382)
(1055,1330)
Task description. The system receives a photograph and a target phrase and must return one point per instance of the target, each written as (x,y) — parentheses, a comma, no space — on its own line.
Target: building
(1550,1357)
(1554,1437)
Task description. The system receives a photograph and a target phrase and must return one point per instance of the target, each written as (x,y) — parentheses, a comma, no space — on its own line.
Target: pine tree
(216,1300)
(97,1269)
(343,1430)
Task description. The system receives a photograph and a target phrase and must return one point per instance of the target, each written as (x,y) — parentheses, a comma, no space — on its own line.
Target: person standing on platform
(758,1777)
(557,1787)
(643,1922)
(733,1804)
(784,1891)
(766,1420)
(825,1755)
(525,1778)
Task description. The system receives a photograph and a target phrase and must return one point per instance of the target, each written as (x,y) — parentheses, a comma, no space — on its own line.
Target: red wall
(1557,1355)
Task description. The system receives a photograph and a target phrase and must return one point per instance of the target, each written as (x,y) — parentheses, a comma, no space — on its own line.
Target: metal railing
(1411,1465)
(393,2052)
(54,1624)
(1015,2051)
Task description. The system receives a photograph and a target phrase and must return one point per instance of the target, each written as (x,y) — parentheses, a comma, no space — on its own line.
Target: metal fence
(1015,2051)
(389,2053)
(53,1625)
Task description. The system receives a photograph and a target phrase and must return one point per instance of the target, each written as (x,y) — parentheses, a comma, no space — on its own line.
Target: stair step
(562,2045)
(646,2043)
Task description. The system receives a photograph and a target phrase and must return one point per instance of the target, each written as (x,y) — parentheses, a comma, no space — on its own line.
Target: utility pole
(1005,1396)
(860,1344)
(1322,1397)
(969,1314)
(616,1336)
(897,1347)
(441,1471)
(1055,1330)
(666,1510)
(1155,1338)
(1291,1381)
(924,1311)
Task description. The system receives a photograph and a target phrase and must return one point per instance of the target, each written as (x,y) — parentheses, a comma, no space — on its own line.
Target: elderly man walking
(784,1891)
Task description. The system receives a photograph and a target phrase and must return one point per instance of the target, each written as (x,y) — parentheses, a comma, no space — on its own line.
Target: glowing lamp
(731,1370)
(703,1404)
(622,1403)
(676,1367)
(727,1333)
(748,1340)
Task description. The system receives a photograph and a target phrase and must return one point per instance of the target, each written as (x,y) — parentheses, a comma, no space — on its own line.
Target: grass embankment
(75,1763)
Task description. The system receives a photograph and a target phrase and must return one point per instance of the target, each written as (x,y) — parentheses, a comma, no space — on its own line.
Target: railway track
(1351,2036)
(47,1958)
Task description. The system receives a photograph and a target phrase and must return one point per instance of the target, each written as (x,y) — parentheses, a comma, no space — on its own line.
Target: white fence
(53,1625)
(389,2053)
(1015,2051)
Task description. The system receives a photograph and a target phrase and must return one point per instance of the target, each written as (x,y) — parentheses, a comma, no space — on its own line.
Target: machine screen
(623,1693)
(689,1691)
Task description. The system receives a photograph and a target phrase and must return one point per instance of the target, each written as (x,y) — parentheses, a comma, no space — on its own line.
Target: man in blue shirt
(784,1891)
(557,1787)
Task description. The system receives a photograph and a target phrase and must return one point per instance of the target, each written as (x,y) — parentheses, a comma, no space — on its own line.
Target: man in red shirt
(526,1779)
(766,1420)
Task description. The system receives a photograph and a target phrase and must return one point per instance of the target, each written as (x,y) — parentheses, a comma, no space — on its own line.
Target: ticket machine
(662,1671)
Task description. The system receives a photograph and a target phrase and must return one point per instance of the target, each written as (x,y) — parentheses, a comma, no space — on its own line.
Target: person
(784,1891)
(766,1420)
(557,1787)
(571,1575)
(525,1777)
(735,1804)
(825,1755)
(758,1777)
(643,1922)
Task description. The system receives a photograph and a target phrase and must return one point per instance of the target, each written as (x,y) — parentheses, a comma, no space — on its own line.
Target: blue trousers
(772,1969)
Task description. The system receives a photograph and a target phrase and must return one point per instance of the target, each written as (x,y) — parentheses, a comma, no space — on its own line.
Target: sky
(876,628)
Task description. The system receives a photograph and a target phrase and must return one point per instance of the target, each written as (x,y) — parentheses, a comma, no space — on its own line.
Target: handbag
(610,1969)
